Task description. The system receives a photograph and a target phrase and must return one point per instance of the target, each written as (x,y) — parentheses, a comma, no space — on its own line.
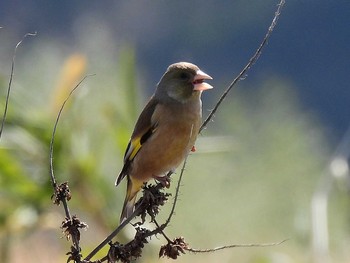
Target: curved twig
(10,80)
(251,62)
(63,199)
(53,179)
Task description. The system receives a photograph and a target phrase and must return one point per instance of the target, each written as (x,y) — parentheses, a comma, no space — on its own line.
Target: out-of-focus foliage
(251,180)
(89,143)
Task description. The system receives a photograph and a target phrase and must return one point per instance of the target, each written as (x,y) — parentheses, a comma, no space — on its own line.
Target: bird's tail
(133,188)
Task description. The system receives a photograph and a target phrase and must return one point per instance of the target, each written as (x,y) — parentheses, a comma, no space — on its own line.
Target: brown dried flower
(174,248)
(61,192)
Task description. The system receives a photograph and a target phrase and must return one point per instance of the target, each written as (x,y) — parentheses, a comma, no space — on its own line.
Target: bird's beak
(199,83)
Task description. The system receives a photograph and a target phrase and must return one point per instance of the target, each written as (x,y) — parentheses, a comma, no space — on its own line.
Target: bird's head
(181,82)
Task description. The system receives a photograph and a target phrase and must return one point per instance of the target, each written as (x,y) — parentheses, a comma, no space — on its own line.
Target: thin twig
(53,179)
(194,250)
(114,233)
(10,80)
(251,62)
(176,193)
(161,229)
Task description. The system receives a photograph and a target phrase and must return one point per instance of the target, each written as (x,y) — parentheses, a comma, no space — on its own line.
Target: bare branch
(194,250)
(53,179)
(62,193)
(245,70)
(10,80)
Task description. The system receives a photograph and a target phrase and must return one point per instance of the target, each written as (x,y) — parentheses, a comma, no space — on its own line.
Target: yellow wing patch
(136,143)
(135,147)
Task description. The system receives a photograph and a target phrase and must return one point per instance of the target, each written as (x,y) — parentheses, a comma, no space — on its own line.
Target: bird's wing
(143,130)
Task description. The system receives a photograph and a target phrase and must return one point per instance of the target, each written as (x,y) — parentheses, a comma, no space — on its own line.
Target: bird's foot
(164,180)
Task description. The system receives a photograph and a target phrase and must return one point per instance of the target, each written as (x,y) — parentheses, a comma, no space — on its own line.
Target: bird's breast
(173,138)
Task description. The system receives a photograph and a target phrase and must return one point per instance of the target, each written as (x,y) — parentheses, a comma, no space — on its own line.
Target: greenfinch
(165,131)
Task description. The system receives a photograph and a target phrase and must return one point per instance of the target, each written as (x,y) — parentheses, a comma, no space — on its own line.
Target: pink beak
(199,83)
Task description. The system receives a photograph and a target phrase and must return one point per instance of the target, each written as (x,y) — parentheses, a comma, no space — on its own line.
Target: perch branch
(114,233)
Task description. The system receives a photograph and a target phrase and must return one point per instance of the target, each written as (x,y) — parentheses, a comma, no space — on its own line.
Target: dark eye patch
(184,76)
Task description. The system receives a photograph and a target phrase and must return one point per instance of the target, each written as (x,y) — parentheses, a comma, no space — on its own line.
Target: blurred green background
(258,166)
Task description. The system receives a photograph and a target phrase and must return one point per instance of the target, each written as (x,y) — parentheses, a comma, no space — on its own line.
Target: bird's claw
(164,180)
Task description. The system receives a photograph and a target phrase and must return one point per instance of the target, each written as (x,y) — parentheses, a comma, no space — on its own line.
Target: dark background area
(310,47)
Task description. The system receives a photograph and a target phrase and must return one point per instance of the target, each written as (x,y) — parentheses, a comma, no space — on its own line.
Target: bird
(165,131)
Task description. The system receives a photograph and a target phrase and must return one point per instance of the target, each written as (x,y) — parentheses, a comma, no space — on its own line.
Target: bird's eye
(183,76)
